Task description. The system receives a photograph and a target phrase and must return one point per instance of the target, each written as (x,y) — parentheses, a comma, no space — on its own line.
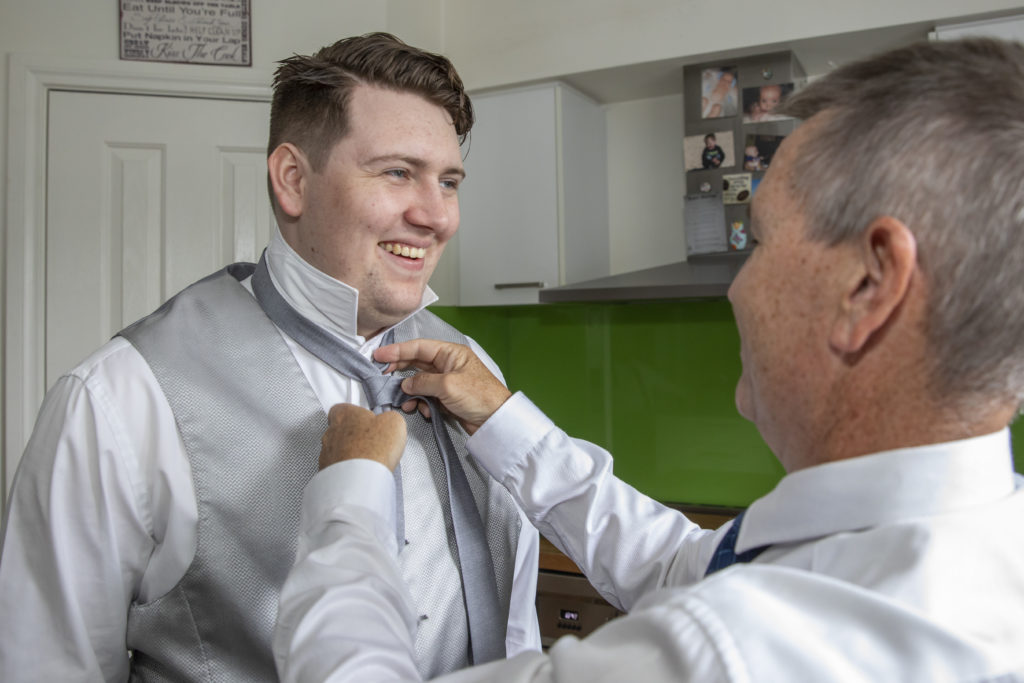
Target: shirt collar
(323,300)
(869,490)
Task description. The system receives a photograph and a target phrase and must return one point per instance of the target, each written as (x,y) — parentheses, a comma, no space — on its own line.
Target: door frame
(30,80)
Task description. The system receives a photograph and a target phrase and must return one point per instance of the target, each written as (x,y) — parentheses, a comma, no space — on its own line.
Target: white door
(145,194)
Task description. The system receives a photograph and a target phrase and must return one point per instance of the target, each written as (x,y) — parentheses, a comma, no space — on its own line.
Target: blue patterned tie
(725,553)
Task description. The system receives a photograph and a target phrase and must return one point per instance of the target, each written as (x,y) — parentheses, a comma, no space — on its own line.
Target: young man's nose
(431,208)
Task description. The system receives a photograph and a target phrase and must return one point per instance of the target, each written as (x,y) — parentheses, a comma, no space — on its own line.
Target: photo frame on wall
(760,103)
(709,151)
(719,92)
(758,151)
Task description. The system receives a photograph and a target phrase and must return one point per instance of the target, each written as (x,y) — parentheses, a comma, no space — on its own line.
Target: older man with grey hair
(881,316)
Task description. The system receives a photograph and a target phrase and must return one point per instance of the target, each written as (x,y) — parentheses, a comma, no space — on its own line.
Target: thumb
(424,384)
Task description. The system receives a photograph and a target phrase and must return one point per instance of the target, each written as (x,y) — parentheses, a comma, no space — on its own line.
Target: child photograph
(758,151)
(719,93)
(759,104)
(709,151)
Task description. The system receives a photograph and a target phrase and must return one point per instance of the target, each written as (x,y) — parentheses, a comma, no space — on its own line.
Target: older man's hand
(355,432)
(450,372)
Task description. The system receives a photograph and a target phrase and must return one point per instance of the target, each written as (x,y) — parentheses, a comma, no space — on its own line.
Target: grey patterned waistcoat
(251,426)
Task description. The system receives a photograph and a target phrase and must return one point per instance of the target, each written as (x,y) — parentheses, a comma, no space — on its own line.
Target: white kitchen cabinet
(534,202)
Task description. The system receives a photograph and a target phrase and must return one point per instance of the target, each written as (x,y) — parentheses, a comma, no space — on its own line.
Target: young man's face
(379,214)
(710,143)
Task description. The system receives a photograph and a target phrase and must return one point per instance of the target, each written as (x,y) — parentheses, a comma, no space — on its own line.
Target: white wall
(646,182)
(496,42)
(417,22)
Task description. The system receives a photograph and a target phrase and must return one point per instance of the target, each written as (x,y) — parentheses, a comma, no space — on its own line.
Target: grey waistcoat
(251,426)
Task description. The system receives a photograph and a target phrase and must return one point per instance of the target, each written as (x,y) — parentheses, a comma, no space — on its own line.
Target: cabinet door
(508,240)
(584,189)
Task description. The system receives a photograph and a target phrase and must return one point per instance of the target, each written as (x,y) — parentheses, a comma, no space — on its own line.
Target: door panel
(145,194)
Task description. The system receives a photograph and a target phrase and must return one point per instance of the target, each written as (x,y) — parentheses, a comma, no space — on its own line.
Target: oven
(568,605)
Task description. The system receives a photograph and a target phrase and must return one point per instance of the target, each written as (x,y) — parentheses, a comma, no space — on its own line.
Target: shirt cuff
(360,481)
(503,442)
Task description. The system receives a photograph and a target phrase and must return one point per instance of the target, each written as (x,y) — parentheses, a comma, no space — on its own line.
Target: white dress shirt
(103,511)
(906,565)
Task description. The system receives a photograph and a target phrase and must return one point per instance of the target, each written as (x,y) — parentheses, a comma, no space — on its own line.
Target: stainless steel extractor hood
(699,278)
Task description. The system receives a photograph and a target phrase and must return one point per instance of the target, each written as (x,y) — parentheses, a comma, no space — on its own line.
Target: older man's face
(782,300)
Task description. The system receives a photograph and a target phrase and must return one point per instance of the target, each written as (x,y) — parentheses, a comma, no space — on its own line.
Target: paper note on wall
(705,224)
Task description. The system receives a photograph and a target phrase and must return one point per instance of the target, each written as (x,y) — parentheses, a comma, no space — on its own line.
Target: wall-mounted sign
(187,31)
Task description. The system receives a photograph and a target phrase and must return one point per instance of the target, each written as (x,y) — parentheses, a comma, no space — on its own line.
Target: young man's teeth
(405,250)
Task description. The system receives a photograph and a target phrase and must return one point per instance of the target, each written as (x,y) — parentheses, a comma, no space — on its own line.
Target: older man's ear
(883,264)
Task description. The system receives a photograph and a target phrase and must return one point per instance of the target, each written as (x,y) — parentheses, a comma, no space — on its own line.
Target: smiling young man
(155,514)
(880,317)
(382,205)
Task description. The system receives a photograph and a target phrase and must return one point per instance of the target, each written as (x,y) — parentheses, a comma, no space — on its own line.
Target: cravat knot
(384,391)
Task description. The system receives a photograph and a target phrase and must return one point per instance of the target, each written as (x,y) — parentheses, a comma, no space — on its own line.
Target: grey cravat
(479,587)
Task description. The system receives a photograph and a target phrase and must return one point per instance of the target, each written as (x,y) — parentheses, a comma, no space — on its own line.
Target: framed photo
(719,93)
(709,151)
(759,150)
(759,104)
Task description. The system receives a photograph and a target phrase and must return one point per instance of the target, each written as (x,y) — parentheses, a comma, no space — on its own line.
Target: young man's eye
(450,184)
(397,172)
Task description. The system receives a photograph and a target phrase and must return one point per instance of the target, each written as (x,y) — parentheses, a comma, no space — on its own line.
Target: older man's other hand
(355,432)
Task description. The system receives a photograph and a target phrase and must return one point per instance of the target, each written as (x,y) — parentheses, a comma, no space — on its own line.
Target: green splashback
(652,382)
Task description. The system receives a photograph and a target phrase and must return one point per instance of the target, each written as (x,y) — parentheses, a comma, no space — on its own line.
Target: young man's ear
(885,259)
(288,169)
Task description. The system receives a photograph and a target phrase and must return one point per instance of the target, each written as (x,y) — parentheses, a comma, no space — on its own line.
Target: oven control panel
(568,605)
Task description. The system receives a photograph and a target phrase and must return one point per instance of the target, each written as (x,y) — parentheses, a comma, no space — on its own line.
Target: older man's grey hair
(933,135)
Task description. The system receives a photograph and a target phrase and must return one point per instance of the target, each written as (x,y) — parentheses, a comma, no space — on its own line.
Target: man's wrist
(359,481)
(513,430)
